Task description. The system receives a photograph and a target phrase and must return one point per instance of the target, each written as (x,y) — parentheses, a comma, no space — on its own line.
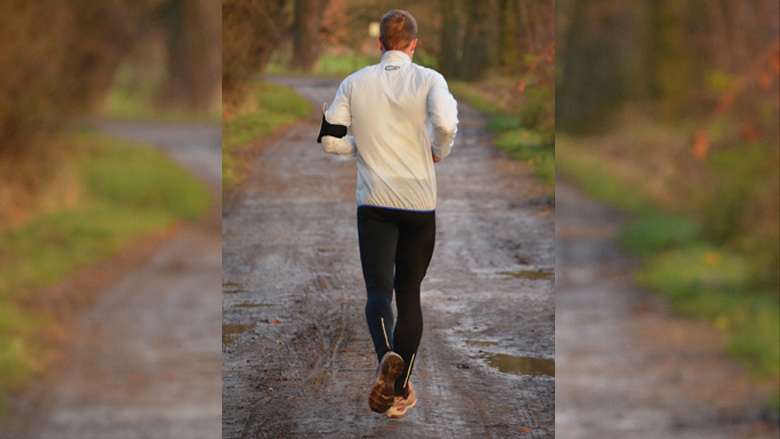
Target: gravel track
(297,358)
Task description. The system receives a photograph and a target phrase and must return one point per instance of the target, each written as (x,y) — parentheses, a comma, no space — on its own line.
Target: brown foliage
(58,58)
(478,36)
(251,30)
(31,65)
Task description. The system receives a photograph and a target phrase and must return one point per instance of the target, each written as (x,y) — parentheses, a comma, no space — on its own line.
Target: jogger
(403,120)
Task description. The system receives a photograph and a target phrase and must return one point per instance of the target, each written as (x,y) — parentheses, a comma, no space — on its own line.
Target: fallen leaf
(701,145)
(525,430)
(277,321)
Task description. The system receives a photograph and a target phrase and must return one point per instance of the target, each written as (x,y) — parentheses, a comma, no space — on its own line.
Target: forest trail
(298,361)
(626,367)
(144,360)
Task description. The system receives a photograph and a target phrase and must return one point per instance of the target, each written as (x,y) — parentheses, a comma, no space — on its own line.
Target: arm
(335,121)
(340,111)
(443,114)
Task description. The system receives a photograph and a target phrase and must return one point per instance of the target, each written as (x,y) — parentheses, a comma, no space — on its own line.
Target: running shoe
(401,404)
(382,395)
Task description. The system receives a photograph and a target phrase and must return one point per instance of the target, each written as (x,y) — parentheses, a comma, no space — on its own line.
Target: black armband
(328,129)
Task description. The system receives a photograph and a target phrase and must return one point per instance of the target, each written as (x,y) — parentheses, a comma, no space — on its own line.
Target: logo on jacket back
(392,67)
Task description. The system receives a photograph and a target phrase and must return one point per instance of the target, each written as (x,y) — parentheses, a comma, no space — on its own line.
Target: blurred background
(498,55)
(668,112)
(96,98)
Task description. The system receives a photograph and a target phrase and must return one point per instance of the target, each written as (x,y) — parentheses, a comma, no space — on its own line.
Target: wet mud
(306,367)
(626,367)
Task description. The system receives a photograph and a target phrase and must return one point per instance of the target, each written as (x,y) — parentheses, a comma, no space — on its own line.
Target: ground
(297,357)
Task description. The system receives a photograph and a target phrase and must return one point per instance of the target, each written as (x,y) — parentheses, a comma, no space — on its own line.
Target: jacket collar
(395,57)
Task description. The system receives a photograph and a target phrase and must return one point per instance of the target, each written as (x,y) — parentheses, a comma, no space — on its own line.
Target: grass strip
(267,108)
(524,142)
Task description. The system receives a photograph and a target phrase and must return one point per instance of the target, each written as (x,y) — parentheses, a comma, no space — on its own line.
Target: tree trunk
(480,43)
(508,53)
(306,29)
(450,53)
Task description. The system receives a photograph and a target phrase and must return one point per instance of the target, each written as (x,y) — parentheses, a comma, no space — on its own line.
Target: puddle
(528,274)
(230,333)
(481,343)
(520,365)
(252,305)
(232,288)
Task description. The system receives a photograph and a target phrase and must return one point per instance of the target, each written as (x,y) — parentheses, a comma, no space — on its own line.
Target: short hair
(397,30)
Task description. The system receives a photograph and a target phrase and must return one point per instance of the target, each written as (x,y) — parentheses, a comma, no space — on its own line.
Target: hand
(436,159)
(338,145)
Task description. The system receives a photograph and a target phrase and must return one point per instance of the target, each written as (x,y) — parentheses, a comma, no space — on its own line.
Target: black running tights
(395,249)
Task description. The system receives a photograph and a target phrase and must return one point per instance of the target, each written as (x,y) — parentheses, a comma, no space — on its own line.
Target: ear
(413,44)
(379,44)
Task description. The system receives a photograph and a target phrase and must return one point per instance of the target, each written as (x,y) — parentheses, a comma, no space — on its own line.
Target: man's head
(398,31)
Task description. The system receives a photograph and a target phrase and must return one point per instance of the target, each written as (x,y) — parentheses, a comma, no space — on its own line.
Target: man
(403,120)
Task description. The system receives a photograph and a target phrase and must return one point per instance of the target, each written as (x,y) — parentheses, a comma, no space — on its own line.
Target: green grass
(327,65)
(125,191)
(342,66)
(713,284)
(479,101)
(269,107)
(654,232)
(529,143)
(591,173)
(533,148)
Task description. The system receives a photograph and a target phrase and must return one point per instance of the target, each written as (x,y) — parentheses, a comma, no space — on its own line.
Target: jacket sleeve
(340,111)
(443,114)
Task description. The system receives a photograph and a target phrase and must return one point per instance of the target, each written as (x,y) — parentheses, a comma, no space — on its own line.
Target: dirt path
(297,359)
(626,368)
(145,361)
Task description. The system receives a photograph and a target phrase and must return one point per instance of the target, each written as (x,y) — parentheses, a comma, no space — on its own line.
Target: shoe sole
(382,394)
(401,415)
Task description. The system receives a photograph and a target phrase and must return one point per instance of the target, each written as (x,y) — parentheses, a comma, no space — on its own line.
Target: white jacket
(400,114)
